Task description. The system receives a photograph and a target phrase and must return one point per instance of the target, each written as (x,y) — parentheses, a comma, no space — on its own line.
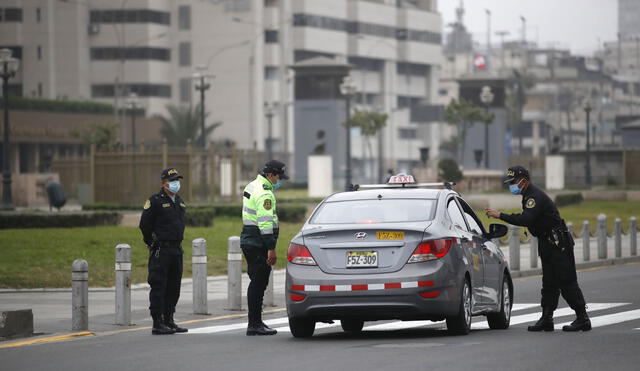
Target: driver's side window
(472,219)
(455,214)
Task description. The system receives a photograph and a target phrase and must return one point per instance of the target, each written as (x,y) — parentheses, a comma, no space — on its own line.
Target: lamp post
(348,90)
(132,103)
(486,97)
(202,78)
(587,170)
(269,112)
(8,68)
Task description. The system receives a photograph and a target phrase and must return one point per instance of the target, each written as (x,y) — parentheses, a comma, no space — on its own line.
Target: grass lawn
(42,257)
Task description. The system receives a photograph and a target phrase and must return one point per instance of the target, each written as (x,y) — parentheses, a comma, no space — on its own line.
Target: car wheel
(302,327)
(460,324)
(352,325)
(500,320)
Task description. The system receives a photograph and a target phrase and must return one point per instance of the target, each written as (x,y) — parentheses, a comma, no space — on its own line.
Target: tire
(460,324)
(500,320)
(353,326)
(302,328)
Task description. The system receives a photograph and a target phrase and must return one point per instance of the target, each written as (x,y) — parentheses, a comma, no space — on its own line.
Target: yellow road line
(48,339)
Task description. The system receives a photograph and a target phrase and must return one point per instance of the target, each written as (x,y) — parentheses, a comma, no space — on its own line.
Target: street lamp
(132,103)
(486,97)
(269,112)
(9,67)
(348,90)
(202,84)
(587,110)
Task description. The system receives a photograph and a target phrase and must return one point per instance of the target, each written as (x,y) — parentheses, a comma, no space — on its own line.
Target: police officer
(258,238)
(555,248)
(162,226)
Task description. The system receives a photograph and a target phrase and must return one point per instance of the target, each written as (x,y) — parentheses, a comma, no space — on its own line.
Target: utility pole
(489,56)
(502,34)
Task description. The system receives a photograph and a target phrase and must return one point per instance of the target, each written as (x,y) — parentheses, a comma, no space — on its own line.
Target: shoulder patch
(147,205)
(267,204)
(530,204)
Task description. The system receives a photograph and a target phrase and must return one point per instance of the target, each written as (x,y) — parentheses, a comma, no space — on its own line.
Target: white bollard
(234,274)
(602,236)
(268,293)
(79,295)
(633,233)
(618,237)
(199,274)
(586,239)
(514,248)
(123,285)
(533,252)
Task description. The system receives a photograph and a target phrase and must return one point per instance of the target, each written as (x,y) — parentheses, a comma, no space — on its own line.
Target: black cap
(170,174)
(275,167)
(515,172)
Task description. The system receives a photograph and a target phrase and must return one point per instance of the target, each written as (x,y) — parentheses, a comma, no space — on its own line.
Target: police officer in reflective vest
(258,239)
(162,226)
(555,248)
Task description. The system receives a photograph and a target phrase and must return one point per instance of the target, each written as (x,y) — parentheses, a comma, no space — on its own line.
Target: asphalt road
(613,295)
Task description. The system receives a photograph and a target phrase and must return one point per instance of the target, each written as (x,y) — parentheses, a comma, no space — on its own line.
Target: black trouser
(165,275)
(258,270)
(559,276)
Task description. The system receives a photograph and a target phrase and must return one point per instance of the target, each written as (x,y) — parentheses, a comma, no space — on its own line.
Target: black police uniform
(162,225)
(540,215)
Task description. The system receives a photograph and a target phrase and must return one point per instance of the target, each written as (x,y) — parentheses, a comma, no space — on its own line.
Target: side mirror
(497,230)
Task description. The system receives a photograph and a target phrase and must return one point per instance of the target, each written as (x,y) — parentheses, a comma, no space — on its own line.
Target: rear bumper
(311,293)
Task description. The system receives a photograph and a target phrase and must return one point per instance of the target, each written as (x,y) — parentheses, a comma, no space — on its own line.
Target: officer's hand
(271,257)
(491,213)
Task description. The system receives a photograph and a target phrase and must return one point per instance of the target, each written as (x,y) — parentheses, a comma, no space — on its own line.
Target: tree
(103,136)
(370,123)
(464,114)
(184,124)
(449,170)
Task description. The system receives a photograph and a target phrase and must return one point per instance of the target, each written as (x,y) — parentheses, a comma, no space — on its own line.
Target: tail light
(431,250)
(299,254)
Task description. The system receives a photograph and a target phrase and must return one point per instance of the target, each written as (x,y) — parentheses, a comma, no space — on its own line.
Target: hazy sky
(572,24)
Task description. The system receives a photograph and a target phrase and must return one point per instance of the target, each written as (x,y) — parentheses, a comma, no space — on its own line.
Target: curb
(583,265)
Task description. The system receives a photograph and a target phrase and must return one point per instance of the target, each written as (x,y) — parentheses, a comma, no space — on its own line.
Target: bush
(293,213)
(449,170)
(568,199)
(199,217)
(64,106)
(58,220)
(111,207)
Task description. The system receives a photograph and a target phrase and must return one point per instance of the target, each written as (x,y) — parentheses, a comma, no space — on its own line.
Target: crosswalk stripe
(319,326)
(610,319)
(235,326)
(516,320)
(517,307)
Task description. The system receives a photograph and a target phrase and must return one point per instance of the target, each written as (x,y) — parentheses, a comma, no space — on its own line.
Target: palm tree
(464,114)
(184,125)
(370,123)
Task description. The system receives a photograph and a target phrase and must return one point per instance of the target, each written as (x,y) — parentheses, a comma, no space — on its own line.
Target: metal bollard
(586,239)
(533,252)
(123,284)
(79,295)
(514,248)
(633,233)
(234,274)
(268,294)
(602,236)
(618,237)
(199,269)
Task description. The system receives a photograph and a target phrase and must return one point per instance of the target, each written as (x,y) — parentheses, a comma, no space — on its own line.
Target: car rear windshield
(374,211)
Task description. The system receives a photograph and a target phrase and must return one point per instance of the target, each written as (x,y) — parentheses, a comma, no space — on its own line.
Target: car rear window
(374,211)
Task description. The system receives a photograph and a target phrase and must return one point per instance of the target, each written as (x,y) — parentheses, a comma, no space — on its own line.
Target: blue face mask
(277,184)
(174,186)
(514,189)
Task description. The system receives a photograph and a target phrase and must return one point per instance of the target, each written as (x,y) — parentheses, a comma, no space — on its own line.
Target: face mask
(174,186)
(515,189)
(277,184)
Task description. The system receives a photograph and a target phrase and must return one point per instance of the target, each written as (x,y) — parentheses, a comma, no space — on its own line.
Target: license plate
(390,235)
(362,259)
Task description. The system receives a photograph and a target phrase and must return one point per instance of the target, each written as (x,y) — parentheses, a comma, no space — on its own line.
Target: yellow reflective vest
(259,217)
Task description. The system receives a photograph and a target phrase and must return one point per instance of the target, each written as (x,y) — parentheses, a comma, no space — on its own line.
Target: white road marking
(235,326)
(400,325)
(610,319)
(516,307)
(516,320)
(319,326)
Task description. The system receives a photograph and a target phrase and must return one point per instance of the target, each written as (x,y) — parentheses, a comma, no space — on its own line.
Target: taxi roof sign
(401,179)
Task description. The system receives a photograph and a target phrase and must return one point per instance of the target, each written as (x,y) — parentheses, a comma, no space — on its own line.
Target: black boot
(582,322)
(168,321)
(545,323)
(260,329)
(159,328)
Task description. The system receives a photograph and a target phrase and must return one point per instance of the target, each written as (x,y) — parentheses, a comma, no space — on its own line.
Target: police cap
(516,172)
(275,167)
(170,174)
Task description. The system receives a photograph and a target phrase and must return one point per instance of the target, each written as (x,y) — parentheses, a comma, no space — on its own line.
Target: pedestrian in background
(162,226)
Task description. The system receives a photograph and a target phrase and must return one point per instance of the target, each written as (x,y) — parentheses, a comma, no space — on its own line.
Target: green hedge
(10,220)
(64,106)
(568,199)
(110,207)
(199,217)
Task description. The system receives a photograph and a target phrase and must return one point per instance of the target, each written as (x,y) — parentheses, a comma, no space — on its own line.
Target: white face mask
(174,186)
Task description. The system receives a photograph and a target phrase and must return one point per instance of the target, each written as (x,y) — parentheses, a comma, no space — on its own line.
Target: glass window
(270,73)
(474,222)
(38,15)
(12,15)
(184,54)
(375,211)
(270,36)
(184,17)
(456,215)
(185,90)
(407,133)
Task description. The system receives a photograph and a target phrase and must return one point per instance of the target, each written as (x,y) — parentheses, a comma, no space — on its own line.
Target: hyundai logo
(361,235)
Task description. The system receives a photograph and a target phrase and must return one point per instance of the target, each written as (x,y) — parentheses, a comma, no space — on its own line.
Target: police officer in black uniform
(162,226)
(555,248)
